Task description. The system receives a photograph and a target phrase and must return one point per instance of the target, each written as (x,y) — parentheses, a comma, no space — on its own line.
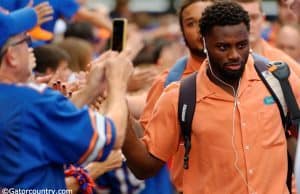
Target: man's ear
(10,57)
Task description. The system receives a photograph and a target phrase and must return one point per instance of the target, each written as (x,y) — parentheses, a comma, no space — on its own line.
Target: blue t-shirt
(62,9)
(40,131)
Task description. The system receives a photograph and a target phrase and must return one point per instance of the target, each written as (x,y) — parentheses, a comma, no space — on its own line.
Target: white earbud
(204,46)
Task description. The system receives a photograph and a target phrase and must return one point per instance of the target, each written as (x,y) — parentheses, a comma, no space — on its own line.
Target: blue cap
(16,22)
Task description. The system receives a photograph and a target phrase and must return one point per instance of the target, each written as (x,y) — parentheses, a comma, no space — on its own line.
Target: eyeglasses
(26,39)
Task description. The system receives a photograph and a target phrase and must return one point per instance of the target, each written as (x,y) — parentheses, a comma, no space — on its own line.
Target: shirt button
(238,102)
(243,124)
(251,171)
(247,147)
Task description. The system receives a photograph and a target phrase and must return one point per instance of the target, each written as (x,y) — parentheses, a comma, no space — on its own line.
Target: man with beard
(238,142)
(189,16)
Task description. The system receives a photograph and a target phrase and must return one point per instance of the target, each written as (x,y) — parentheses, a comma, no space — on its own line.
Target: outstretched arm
(101,21)
(139,160)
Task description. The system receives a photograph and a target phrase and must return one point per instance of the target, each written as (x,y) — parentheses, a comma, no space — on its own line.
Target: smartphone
(118,39)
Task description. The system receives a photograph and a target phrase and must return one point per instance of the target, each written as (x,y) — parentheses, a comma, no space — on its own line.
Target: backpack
(176,71)
(274,76)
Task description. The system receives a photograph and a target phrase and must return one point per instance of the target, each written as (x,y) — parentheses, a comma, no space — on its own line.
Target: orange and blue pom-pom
(86,183)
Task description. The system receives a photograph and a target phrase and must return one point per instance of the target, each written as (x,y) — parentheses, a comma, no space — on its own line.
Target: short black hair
(223,13)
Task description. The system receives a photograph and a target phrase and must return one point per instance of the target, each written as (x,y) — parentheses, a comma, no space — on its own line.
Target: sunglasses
(26,39)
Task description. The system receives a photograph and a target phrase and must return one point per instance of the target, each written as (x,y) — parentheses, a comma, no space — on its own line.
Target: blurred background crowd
(153,28)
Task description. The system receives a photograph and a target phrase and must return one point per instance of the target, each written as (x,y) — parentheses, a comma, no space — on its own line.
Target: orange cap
(40,34)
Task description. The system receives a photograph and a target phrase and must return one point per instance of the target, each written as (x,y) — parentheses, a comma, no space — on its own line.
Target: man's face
(286,15)
(294,6)
(190,23)
(19,48)
(228,50)
(290,45)
(256,19)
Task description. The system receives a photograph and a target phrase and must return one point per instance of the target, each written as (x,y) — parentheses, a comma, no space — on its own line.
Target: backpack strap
(275,76)
(272,84)
(281,71)
(186,109)
(176,71)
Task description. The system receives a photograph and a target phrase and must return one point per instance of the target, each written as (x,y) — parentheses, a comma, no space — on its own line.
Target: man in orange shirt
(189,15)
(238,141)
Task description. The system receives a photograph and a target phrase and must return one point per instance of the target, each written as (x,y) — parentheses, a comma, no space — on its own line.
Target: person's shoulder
(159,81)
(174,86)
(172,91)
(275,54)
(167,103)
(34,87)
(33,91)
(28,93)
(162,77)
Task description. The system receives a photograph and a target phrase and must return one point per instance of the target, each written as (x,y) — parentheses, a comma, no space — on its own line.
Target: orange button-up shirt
(234,150)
